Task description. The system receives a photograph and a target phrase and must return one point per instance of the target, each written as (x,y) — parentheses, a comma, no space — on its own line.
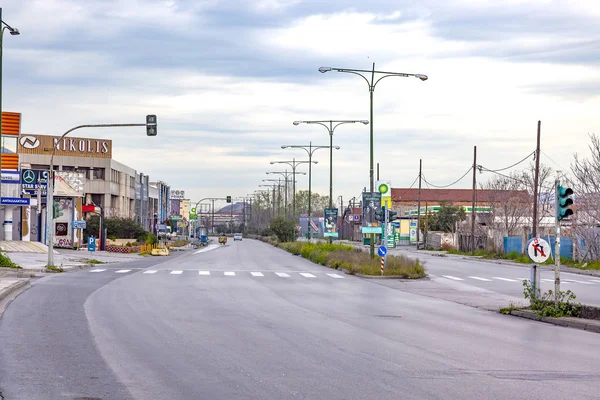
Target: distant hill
(235,208)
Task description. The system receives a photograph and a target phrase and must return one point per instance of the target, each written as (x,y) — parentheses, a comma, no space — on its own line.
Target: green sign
(175,217)
(193,216)
(371,229)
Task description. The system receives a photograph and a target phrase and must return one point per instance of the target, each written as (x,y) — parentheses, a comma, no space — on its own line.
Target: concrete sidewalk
(68,259)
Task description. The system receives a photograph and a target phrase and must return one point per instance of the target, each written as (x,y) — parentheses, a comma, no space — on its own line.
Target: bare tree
(586,186)
(545,191)
(509,202)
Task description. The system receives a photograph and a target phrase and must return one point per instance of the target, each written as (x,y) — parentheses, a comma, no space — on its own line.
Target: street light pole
(331,128)
(50,190)
(294,164)
(286,175)
(372,83)
(310,151)
(14,32)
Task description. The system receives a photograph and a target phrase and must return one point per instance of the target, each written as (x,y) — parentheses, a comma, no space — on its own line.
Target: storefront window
(9,144)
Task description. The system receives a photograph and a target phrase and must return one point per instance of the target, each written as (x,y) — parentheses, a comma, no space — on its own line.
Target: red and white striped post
(382,264)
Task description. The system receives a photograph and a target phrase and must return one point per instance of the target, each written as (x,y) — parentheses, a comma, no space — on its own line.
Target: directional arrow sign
(382,251)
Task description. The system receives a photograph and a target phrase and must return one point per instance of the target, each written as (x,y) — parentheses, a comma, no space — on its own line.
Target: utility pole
(473,203)
(377,171)
(419,204)
(556,242)
(213,217)
(536,181)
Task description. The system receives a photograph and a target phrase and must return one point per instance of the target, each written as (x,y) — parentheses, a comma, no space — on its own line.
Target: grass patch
(590,265)
(6,262)
(92,261)
(54,268)
(513,256)
(355,261)
(507,310)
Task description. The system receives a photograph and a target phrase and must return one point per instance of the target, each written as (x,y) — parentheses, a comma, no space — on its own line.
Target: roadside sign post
(91,244)
(538,251)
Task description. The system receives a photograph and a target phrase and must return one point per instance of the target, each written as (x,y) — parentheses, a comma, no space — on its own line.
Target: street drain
(389,316)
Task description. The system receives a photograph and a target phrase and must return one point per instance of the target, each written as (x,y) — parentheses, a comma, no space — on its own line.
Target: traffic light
(380,215)
(563,201)
(151,126)
(229,199)
(392,216)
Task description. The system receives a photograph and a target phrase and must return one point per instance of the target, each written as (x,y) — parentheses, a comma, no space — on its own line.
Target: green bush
(284,229)
(545,305)
(6,262)
(150,239)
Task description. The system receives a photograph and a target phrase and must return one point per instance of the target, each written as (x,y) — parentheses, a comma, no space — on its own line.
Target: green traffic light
(564,202)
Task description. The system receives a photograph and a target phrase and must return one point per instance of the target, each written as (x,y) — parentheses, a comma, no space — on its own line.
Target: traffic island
(355,261)
(587,321)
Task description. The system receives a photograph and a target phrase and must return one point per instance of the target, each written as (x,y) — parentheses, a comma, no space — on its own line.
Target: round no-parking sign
(538,250)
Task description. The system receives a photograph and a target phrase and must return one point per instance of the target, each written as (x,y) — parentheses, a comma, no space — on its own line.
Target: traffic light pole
(150,131)
(385,242)
(557,243)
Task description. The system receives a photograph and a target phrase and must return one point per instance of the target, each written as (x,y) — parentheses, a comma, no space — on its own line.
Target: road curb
(4,293)
(388,277)
(576,323)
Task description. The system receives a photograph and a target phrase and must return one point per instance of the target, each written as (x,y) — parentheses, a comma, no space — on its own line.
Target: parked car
(237,236)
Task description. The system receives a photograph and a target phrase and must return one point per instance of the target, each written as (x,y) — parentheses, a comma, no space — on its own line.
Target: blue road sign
(382,251)
(91,244)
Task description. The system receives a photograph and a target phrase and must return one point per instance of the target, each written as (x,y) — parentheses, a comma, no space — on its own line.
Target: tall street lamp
(310,150)
(14,32)
(329,125)
(273,198)
(294,164)
(372,83)
(286,175)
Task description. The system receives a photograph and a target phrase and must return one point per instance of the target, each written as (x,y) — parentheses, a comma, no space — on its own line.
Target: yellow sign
(68,146)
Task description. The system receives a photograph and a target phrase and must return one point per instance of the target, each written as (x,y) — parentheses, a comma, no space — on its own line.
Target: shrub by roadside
(513,256)
(6,262)
(355,261)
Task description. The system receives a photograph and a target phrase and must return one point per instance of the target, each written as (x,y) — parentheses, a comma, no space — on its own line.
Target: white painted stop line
(97,270)
(152,271)
(480,279)
(257,273)
(176,272)
(229,273)
(122,271)
(307,275)
(336,276)
(282,274)
(505,279)
(203,272)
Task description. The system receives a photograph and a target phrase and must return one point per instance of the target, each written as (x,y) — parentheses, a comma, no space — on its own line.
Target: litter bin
(203,238)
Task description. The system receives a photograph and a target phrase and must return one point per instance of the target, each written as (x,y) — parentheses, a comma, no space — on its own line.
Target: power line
(498,173)
(410,187)
(453,183)
(555,163)
(514,165)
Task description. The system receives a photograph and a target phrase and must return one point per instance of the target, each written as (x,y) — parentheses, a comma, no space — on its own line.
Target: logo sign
(371,229)
(62,229)
(177,194)
(356,218)
(68,146)
(193,210)
(29,142)
(538,250)
(382,251)
(79,224)
(14,201)
(313,225)
(383,187)
(331,217)
(34,179)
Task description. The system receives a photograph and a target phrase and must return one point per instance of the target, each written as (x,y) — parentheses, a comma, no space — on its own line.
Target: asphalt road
(502,278)
(249,321)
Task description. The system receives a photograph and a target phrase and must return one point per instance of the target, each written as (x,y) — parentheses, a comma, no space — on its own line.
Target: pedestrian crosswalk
(250,274)
(492,279)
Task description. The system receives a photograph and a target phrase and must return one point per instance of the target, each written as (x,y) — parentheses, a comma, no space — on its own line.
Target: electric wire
(513,165)
(452,184)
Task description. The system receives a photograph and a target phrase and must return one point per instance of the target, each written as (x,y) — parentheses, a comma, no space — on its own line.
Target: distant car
(237,236)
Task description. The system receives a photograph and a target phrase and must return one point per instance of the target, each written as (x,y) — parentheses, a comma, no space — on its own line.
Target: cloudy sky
(228,78)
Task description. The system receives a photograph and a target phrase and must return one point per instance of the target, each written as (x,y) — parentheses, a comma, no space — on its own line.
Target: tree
(586,188)
(318,203)
(284,229)
(545,190)
(120,228)
(510,203)
(445,219)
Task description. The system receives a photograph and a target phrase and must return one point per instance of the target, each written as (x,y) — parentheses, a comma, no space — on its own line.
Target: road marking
(151,271)
(229,273)
(257,273)
(583,282)
(454,278)
(97,270)
(480,279)
(504,279)
(595,280)
(336,276)
(208,248)
(547,280)
(307,275)
(203,272)
(176,272)
(282,274)
(122,271)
